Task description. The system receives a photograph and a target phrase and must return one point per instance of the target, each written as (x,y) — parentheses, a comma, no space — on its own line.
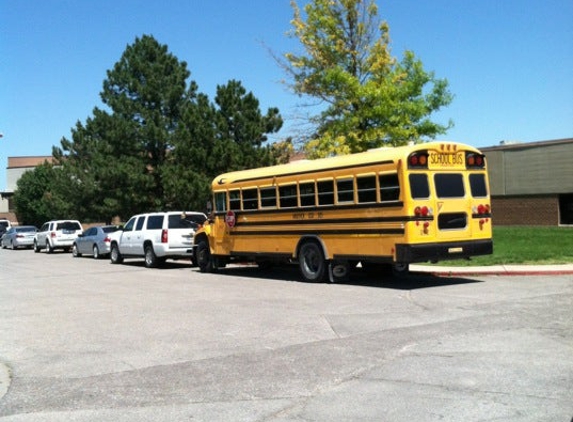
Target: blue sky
(509,63)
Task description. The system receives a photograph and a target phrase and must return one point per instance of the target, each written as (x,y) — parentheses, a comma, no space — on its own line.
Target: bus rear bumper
(435,252)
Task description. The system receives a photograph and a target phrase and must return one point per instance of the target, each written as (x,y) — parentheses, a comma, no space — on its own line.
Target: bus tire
(400,270)
(204,258)
(311,262)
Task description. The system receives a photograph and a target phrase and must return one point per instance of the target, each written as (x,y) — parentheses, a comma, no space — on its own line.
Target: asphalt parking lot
(84,340)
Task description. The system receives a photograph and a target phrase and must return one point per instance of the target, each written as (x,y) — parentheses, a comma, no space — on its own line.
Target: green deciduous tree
(371,99)
(39,196)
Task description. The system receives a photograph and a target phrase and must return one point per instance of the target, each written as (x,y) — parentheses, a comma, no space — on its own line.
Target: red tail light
(474,160)
(418,160)
(107,239)
(422,211)
(164,236)
(52,234)
(482,209)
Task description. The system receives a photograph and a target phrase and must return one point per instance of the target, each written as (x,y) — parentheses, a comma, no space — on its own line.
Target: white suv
(156,237)
(57,234)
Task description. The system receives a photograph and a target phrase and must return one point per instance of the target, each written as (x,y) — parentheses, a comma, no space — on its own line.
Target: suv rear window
(68,225)
(185,222)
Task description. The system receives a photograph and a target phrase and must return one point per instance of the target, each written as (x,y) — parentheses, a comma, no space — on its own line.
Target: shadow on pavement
(358,277)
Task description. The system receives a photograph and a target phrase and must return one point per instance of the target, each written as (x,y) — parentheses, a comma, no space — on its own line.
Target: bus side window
(269,197)
(389,187)
(235,199)
(345,190)
(325,192)
(366,188)
(287,196)
(419,186)
(250,199)
(307,197)
(220,201)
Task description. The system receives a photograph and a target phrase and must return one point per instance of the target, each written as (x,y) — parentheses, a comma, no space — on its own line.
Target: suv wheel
(151,260)
(36,247)
(49,248)
(115,255)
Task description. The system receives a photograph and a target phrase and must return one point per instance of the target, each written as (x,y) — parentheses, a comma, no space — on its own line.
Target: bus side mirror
(209,207)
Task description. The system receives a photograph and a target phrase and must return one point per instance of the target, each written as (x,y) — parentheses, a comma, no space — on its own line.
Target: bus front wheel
(204,258)
(311,262)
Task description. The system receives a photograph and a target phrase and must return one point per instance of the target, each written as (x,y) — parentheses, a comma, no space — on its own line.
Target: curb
(497,270)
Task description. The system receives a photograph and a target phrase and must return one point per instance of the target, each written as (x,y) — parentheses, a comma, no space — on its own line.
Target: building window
(566,209)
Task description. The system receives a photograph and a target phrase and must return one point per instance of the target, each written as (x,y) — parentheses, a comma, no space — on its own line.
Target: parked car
(4,226)
(156,237)
(18,237)
(94,241)
(57,234)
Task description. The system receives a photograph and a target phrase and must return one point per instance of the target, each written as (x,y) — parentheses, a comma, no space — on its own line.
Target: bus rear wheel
(400,270)
(311,262)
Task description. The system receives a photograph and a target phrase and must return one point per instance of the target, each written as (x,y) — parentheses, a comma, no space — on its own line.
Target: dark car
(19,236)
(94,241)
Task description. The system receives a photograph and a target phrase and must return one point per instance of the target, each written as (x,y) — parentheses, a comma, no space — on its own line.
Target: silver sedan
(93,241)
(19,237)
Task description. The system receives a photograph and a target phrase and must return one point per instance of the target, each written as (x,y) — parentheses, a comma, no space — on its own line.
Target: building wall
(539,210)
(531,168)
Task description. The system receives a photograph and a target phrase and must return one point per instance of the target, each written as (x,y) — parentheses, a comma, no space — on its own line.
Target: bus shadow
(415,280)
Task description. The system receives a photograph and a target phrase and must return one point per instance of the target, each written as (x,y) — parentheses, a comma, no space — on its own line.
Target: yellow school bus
(385,209)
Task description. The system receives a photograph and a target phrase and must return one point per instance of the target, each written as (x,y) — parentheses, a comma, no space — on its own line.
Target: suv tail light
(52,234)
(164,236)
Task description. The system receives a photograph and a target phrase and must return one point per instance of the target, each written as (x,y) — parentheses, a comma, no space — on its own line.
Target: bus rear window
(449,185)
(419,186)
(478,186)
